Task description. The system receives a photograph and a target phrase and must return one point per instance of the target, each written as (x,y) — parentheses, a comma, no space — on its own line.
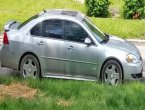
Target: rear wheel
(112,73)
(29,67)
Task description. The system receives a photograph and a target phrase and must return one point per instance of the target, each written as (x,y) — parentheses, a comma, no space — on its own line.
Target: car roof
(62,12)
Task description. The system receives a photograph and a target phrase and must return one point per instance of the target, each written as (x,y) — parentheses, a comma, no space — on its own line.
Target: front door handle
(40,43)
(70,48)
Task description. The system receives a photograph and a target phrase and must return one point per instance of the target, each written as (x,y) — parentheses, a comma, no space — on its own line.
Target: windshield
(94,30)
(25,22)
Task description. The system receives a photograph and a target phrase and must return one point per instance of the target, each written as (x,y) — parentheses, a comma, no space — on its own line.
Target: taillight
(5,39)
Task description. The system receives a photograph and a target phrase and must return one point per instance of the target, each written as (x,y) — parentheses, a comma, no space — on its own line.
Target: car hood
(121,44)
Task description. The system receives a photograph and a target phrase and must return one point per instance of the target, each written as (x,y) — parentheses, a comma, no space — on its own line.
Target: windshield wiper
(106,37)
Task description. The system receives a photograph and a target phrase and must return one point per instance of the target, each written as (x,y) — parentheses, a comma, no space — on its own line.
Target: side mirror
(87,41)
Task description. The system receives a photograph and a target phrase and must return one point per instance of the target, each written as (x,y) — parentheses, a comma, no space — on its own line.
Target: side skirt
(70,77)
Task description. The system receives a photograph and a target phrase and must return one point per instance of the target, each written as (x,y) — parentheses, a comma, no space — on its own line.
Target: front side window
(75,32)
(94,30)
(52,28)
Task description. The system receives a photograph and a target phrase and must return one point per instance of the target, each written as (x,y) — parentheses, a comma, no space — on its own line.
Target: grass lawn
(122,28)
(54,94)
(21,10)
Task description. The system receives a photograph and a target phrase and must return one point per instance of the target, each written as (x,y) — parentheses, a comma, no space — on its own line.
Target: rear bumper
(8,58)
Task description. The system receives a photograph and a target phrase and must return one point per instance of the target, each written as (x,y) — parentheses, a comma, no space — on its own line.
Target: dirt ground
(16,90)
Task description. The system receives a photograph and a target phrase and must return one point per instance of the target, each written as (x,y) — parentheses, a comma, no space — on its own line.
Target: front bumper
(133,71)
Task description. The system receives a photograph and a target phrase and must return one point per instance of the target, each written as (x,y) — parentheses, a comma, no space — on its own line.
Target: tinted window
(75,32)
(36,30)
(52,28)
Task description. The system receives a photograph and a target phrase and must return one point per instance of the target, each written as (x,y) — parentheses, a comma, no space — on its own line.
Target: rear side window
(52,29)
(36,30)
(75,32)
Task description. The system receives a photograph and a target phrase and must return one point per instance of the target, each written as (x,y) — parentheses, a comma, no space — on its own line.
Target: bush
(133,9)
(97,8)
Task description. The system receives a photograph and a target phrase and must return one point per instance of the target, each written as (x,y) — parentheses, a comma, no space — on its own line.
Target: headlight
(132,58)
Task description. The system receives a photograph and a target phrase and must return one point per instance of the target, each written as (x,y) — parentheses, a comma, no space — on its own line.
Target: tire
(29,67)
(112,73)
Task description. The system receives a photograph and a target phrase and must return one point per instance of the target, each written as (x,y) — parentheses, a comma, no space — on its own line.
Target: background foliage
(133,9)
(97,8)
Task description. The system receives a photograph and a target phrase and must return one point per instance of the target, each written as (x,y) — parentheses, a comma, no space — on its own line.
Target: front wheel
(112,73)
(29,67)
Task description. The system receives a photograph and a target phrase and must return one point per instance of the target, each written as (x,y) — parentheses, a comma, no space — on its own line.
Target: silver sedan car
(65,44)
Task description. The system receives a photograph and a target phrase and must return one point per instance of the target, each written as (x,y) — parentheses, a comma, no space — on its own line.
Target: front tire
(29,67)
(112,72)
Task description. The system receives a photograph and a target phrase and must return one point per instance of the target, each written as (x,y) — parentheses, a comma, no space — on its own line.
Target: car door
(81,59)
(51,47)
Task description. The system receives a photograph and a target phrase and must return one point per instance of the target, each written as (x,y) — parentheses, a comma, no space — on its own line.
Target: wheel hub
(112,75)
(29,70)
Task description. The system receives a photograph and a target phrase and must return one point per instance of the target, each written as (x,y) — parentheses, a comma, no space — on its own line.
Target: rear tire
(29,67)
(112,73)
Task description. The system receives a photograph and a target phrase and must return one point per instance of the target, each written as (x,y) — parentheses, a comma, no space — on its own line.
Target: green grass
(122,28)
(21,10)
(81,96)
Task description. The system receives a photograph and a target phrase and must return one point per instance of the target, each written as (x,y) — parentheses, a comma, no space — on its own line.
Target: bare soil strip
(16,90)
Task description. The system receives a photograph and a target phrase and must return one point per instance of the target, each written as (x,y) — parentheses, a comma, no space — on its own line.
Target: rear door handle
(70,48)
(40,43)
